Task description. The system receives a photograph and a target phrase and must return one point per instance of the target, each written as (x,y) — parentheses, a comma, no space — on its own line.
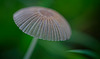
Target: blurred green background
(82,15)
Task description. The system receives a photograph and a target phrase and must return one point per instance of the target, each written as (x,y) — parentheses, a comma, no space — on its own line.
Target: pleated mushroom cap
(42,23)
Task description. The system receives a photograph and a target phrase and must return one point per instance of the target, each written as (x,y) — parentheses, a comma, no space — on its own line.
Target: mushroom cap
(43,23)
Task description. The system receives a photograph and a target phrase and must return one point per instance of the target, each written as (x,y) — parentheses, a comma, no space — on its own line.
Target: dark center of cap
(46,13)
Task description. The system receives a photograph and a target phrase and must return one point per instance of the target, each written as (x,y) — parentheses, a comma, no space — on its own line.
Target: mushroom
(42,23)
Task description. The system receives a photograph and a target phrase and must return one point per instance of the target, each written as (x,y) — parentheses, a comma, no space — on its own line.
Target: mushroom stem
(30,49)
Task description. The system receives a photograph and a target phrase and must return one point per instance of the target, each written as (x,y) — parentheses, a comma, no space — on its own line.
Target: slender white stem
(30,49)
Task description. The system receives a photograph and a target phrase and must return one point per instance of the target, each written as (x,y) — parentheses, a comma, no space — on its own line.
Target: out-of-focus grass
(85,52)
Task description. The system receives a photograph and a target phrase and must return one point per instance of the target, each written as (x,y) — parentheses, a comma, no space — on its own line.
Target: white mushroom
(42,23)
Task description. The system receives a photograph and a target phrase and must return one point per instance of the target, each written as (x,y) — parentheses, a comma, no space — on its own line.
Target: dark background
(82,15)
